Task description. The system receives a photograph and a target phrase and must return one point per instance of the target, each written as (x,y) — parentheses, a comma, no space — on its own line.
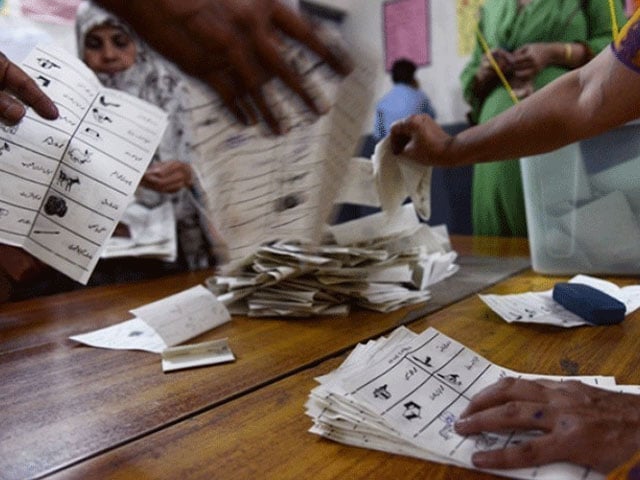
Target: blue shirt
(402,101)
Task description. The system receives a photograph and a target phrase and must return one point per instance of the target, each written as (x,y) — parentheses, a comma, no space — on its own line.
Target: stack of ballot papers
(403,394)
(377,262)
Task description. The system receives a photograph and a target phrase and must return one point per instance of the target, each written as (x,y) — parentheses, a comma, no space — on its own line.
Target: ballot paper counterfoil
(540,307)
(66,183)
(261,187)
(376,262)
(403,394)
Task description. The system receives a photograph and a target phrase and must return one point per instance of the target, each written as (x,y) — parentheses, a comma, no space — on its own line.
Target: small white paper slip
(185,315)
(197,355)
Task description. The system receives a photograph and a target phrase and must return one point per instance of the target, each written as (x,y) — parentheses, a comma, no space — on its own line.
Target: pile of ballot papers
(376,262)
(403,394)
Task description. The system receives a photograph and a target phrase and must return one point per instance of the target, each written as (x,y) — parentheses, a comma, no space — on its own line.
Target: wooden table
(71,411)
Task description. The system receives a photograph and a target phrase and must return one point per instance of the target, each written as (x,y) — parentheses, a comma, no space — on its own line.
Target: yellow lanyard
(500,73)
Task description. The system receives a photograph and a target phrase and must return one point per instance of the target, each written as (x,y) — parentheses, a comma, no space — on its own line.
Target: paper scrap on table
(67,182)
(539,307)
(403,394)
(197,355)
(398,177)
(162,324)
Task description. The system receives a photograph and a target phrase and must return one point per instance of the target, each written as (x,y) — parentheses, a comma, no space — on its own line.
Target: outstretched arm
(582,103)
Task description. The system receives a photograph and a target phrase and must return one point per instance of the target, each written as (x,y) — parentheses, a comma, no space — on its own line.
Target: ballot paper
(540,307)
(66,183)
(261,187)
(403,394)
(398,177)
(162,324)
(383,269)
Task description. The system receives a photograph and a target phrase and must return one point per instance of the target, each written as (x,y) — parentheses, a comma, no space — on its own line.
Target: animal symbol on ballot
(66,181)
(77,155)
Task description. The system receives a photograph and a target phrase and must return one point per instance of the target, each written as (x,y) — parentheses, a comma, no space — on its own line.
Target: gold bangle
(568,52)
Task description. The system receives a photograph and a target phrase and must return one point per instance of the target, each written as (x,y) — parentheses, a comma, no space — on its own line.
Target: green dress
(497,197)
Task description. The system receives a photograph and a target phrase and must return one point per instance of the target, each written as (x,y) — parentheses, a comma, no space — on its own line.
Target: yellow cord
(498,70)
(495,65)
(614,20)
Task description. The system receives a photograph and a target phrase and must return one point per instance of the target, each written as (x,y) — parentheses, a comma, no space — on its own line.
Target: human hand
(486,77)
(580,424)
(232,45)
(502,57)
(530,59)
(167,177)
(16,87)
(421,139)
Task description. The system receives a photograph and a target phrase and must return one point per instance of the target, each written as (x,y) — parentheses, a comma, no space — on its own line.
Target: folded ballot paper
(160,326)
(403,393)
(540,307)
(66,183)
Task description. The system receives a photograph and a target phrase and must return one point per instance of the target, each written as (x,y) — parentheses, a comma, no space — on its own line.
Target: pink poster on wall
(51,11)
(407,31)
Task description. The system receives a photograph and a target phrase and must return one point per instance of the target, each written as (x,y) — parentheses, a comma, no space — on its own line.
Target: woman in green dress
(533,42)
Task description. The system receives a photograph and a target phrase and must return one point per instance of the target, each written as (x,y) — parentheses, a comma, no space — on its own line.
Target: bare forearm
(580,104)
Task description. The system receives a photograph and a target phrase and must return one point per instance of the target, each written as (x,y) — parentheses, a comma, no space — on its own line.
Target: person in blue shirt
(403,100)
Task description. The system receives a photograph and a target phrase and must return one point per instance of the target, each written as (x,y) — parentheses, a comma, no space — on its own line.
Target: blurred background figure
(533,42)
(404,99)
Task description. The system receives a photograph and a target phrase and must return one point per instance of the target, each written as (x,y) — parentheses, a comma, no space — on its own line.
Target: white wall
(440,80)
(19,34)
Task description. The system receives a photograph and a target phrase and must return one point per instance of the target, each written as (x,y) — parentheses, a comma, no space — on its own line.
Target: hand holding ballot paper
(67,182)
(14,80)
